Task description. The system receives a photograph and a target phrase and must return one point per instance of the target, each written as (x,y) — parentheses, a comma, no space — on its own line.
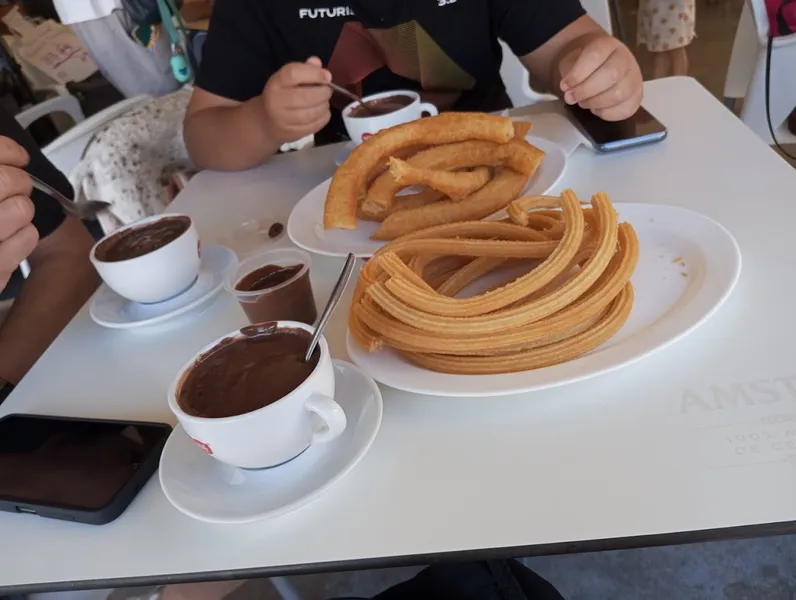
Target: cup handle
(427,107)
(330,413)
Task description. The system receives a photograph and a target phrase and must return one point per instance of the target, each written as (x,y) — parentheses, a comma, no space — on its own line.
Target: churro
(382,192)
(405,202)
(572,296)
(517,154)
(348,181)
(456,185)
(494,196)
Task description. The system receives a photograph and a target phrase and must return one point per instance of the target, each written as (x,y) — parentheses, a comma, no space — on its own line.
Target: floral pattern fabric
(666,24)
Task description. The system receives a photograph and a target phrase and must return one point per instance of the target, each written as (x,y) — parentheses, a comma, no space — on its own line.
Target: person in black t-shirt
(252,90)
(33,226)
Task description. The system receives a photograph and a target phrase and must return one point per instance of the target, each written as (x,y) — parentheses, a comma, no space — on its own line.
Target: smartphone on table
(609,136)
(84,470)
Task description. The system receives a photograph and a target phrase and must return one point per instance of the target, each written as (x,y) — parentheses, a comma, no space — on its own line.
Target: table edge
(413,560)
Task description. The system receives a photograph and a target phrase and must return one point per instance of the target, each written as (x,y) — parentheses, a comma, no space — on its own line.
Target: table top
(695,442)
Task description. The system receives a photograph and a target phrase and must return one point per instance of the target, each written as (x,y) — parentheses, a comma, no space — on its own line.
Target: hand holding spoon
(334,299)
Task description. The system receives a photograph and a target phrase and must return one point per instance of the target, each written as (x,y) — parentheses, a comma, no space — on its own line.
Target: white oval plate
(688,265)
(305,225)
(109,309)
(209,490)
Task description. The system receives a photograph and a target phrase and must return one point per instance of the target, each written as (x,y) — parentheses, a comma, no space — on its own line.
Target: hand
(18,236)
(297,101)
(602,76)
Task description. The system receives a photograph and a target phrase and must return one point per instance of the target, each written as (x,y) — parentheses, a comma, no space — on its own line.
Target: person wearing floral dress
(666,28)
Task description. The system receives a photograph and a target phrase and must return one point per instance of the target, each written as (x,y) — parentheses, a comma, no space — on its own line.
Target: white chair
(59,101)
(514,75)
(66,151)
(62,102)
(746,75)
(600,11)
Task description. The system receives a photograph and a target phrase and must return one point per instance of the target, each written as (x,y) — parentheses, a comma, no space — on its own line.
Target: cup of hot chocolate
(275,286)
(249,400)
(151,260)
(387,109)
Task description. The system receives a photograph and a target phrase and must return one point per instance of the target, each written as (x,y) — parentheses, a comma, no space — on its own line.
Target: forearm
(60,282)
(544,64)
(50,297)
(229,138)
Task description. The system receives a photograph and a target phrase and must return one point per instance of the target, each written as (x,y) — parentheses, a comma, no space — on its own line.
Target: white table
(696,442)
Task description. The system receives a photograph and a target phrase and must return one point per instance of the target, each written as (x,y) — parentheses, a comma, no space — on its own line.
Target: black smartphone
(609,136)
(84,470)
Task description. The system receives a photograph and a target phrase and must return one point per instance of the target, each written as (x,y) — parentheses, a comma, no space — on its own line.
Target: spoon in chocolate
(334,299)
(341,90)
(348,94)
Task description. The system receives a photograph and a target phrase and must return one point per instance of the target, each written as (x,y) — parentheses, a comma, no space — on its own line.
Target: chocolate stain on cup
(141,239)
(381,106)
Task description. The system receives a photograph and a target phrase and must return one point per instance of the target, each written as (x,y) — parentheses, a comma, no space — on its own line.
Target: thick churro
(456,185)
(570,302)
(517,154)
(348,181)
(382,192)
(405,202)
(494,196)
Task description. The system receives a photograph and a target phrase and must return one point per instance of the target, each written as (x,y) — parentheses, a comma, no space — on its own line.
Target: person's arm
(18,235)
(587,66)
(230,135)
(226,134)
(567,53)
(246,104)
(60,282)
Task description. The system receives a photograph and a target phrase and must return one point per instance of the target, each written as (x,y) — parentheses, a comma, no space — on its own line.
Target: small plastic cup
(287,296)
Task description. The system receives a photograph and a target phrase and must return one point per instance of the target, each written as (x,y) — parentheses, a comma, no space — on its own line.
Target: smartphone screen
(72,463)
(641,128)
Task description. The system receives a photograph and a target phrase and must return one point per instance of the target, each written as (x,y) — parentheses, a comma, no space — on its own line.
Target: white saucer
(688,266)
(109,309)
(305,225)
(209,490)
(342,153)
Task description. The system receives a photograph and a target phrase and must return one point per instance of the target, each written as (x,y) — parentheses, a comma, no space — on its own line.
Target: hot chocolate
(142,239)
(286,294)
(243,374)
(381,106)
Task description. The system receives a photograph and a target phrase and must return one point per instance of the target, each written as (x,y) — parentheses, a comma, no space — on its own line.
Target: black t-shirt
(372,46)
(48,215)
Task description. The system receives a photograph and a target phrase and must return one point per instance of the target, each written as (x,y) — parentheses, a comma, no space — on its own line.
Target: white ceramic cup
(273,434)
(361,128)
(158,275)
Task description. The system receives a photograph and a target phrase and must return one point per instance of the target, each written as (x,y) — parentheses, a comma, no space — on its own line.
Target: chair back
(66,151)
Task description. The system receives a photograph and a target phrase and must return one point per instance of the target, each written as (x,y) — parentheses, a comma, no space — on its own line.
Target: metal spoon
(352,95)
(81,210)
(337,293)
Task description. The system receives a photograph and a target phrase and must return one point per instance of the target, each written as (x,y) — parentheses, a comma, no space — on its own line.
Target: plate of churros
(449,168)
(558,292)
